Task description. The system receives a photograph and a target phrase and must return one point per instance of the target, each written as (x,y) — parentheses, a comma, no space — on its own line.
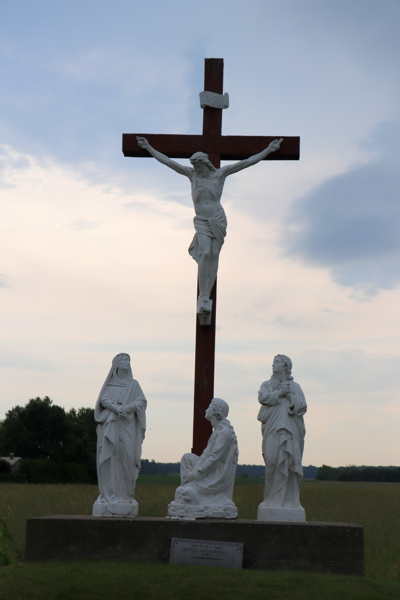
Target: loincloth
(214,227)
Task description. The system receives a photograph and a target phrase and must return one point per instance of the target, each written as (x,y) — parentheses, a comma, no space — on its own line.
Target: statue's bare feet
(204,310)
(204,305)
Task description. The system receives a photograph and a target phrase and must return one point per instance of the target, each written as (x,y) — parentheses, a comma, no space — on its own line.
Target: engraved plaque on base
(206,553)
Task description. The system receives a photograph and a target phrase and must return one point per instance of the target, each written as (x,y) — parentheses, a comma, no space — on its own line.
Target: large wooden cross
(218,147)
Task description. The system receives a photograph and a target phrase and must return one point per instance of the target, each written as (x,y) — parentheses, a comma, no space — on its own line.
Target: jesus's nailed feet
(204,310)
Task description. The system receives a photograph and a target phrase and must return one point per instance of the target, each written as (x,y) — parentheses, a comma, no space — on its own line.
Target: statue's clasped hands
(285,390)
(122,413)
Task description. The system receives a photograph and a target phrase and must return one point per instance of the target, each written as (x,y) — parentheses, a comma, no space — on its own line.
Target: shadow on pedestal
(307,546)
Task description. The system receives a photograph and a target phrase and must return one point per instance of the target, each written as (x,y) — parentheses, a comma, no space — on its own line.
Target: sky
(94,257)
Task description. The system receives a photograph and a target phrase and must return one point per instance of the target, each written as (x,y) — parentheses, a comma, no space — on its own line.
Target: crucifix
(207,179)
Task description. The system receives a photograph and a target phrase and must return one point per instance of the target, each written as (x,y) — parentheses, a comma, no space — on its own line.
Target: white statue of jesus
(210,221)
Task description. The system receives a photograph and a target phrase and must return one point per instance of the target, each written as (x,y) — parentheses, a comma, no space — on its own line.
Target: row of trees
(353,473)
(60,447)
(57,446)
(151,467)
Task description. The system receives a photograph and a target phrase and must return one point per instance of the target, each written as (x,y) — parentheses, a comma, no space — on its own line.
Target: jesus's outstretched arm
(181,169)
(253,160)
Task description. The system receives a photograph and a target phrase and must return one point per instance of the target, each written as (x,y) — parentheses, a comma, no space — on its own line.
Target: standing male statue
(210,221)
(281,414)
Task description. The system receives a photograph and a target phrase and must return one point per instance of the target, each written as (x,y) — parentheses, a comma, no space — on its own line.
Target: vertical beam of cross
(205,335)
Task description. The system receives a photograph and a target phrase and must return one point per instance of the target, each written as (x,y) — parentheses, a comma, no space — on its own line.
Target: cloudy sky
(94,245)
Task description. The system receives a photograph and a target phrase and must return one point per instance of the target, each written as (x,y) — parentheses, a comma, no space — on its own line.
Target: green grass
(375,506)
(174,479)
(128,580)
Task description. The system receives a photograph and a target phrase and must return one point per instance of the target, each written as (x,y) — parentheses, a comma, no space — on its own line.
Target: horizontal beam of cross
(229,147)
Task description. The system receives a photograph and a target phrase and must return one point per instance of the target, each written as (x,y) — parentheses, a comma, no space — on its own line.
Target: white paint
(281,414)
(120,414)
(214,100)
(207,481)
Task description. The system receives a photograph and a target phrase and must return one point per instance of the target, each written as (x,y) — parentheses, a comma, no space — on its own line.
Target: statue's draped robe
(283,443)
(214,471)
(214,227)
(119,440)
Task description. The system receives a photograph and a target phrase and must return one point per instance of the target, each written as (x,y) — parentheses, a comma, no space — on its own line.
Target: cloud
(20,360)
(5,281)
(82,225)
(347,373)
(11,162)
(351,223)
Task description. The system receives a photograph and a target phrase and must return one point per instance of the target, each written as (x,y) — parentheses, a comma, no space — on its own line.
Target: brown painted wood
(212,117)
(229,147)
(205,336)
(204,370)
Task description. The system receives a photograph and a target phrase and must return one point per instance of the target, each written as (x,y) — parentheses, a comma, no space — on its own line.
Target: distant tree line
(56,446)
(151,467)
(363,473)
(60,447)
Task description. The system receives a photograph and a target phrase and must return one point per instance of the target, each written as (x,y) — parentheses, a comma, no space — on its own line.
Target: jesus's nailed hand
(142,142)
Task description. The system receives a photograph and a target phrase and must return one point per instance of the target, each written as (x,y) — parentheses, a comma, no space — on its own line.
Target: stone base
(318,547)
(280,513)
(178,510)
(120,509)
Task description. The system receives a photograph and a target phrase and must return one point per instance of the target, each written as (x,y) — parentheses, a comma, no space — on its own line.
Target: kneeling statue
(207,480)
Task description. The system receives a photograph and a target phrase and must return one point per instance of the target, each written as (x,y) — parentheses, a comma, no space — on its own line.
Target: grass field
(375,506)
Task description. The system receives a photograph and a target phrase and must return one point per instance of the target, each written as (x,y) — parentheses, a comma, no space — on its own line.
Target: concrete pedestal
(306,546)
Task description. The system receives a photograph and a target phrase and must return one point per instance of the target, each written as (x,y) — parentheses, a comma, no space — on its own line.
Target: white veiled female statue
(121,418)
(281,414)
